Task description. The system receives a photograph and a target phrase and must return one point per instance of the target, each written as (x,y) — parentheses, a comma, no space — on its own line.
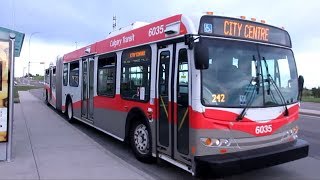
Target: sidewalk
(45,146)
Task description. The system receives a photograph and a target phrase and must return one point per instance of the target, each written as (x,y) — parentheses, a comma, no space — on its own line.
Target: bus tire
(140,140)
(69,112)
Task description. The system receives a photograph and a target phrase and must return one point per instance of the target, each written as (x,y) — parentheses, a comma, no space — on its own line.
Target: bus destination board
(243,29)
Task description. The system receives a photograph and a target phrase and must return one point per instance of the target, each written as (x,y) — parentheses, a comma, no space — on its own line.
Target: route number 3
(218,98)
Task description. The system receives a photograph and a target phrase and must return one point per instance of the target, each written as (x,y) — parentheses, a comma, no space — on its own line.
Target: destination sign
(243,29)
(137,55)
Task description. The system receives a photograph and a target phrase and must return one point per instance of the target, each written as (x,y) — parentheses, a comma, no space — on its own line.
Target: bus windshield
(238,75)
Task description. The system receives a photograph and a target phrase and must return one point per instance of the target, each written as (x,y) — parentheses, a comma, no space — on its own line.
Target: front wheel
(69,112)
(140,140)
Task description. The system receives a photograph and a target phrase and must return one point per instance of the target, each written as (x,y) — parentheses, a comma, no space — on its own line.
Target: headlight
(213,142)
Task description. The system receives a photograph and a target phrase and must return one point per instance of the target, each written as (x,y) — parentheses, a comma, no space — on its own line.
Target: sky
(60,26)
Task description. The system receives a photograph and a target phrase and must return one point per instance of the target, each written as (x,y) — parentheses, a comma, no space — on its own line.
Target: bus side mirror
(300,86)
(201,56)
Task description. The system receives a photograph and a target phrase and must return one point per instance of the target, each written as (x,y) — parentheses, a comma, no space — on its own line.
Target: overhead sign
(4,61)
(243,29)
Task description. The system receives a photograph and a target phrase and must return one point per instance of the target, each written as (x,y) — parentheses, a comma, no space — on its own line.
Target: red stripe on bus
(199,121)
(230,116)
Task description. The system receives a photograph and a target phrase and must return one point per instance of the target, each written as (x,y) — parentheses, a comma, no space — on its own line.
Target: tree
(306,92)
(30,75)
(316,92)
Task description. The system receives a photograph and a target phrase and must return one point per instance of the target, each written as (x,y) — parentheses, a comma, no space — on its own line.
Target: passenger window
(74,74)
(107,75)
(47,77)
(54,78)
(135,73)
(65,74)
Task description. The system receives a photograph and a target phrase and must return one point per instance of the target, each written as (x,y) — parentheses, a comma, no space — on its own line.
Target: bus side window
(107,75)
(65,74)
(47,76)
(135,73)
(54,78)
(183,78)
(74,74)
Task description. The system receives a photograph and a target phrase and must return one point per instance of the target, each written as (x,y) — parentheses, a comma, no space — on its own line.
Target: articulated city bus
(207,92)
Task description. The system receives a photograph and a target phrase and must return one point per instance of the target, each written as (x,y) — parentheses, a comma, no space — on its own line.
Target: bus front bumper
(225,164)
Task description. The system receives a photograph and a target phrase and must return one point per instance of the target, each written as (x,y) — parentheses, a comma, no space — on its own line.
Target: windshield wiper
(270,80)
(256,86)
(241,115)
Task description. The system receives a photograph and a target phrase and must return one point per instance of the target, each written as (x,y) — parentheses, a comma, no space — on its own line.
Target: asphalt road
(306,168)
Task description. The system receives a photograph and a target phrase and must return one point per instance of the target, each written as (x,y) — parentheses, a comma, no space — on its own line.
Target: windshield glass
(230,80)
(280,65)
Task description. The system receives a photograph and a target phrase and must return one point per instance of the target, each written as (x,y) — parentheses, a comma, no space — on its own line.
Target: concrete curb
(310,112)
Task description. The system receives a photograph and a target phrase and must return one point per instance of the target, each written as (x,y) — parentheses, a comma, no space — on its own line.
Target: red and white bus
(199,92)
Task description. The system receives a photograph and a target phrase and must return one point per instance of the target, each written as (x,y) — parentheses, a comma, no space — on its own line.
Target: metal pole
(10,107)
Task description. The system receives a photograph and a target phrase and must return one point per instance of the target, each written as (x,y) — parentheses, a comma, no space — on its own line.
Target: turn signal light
(209,13)
(208,142)
(253,19)
(242,17)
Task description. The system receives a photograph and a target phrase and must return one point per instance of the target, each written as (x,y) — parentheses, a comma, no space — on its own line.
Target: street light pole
(29,52)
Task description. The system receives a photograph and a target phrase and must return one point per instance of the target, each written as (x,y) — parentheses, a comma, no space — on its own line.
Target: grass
(21,88)
(310,99)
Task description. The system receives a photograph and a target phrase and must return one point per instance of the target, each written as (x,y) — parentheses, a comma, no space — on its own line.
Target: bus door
(87,88)
(164,105)
(181,104)
(50,84)
(173,102)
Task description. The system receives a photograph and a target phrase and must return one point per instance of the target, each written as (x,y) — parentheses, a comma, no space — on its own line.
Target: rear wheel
(47,101)
(140,140)
(69,112)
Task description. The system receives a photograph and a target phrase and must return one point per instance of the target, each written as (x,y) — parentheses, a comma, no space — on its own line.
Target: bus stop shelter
(10,47)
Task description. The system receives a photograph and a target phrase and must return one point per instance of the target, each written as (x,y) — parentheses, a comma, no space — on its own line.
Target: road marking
(318,117)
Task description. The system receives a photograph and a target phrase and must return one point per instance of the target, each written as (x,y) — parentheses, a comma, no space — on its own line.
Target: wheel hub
(141,139)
